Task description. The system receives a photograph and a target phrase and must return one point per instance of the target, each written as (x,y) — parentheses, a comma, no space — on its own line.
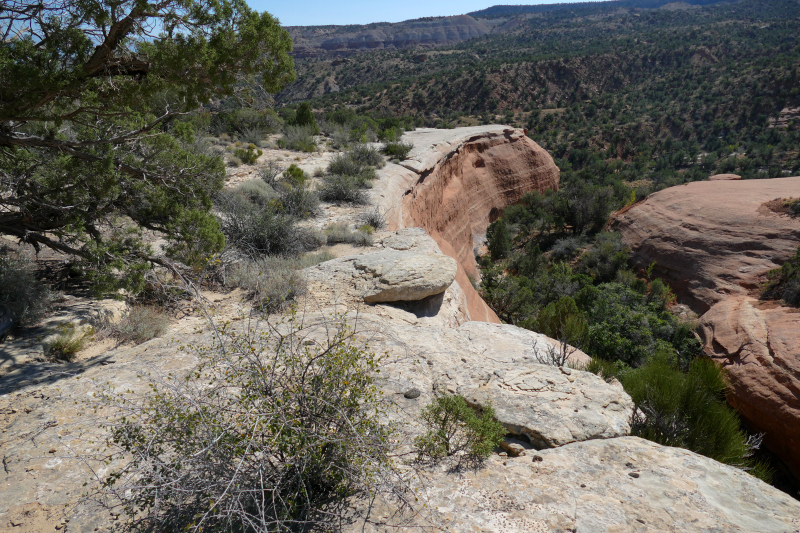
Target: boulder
(405,276)
(724,177)
(623,485)
(714,242)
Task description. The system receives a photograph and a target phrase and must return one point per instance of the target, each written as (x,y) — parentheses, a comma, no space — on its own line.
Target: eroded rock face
(711,239)
(313,40)
(714,242)
(759,343)
(455,182)
(622,485)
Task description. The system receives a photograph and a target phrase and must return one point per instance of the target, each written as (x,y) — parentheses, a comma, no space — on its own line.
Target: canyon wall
(455,182)
(715,242)
(310,41)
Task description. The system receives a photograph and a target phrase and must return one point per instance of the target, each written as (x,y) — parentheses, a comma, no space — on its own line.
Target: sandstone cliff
(455,182)
(714,242)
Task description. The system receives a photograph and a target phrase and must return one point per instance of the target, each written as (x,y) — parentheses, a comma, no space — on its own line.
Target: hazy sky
(319,12)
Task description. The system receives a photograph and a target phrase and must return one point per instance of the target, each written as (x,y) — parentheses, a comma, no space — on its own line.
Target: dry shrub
(141,324)
(277,429)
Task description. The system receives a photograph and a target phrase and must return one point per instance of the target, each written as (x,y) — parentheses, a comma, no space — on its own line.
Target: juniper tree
(95,145)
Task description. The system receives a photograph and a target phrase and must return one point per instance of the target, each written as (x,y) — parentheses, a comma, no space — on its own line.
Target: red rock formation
(759,343)
(711,239)
(465,182)
(714,242)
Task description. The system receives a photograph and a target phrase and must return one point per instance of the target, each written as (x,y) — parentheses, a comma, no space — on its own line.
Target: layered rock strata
(455,182)
(714,242)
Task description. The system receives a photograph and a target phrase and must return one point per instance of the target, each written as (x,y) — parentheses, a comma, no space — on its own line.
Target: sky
(323,12)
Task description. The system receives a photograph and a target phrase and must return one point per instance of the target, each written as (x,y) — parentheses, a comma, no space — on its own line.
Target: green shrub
(285,430)
(453,427)
(397,149)
(141,324)
(295,176)
(688,410)
(258,231)
(794,208)
(21,294)
(299,138)
(248,155)
(305,117)
(498,239)
(342,189)
(784,282)
(562,320)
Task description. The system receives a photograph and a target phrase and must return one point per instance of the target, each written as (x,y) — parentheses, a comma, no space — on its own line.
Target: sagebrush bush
(141,324)
(342,189)
(453,427)
(397,149)
(607,256)
(366,155)
(340,232)
(273,282)
(257,191)
(375,218)
(258,231)
(298,201)
(21,294)
(285,430)
(299,138)
(567,248)
(343,165)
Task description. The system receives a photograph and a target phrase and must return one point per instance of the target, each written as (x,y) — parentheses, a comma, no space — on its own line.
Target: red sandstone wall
(454,200)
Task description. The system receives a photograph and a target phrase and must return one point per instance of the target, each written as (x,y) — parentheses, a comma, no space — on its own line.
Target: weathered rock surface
(724,177)
(405,276)
(617,485)
(759,343)
(714,242)
(710,239)
(456,182)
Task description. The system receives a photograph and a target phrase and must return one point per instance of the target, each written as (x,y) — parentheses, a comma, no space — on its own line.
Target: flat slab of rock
(617,485)
(405,276)
(501,365)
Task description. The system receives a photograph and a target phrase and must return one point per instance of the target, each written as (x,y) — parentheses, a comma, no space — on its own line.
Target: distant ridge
(506,10)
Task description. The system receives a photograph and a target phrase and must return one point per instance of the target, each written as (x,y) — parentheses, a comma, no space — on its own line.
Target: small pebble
(538,458)
(52,450)
(633,474)
(412,394)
